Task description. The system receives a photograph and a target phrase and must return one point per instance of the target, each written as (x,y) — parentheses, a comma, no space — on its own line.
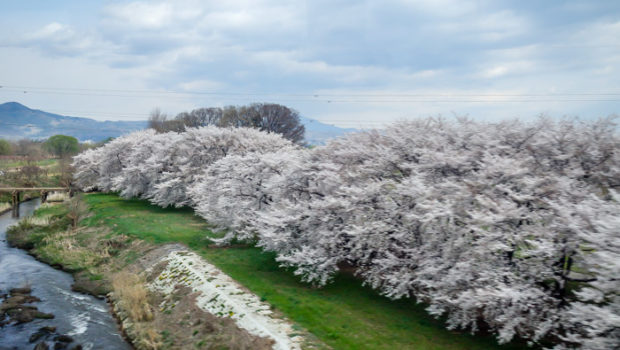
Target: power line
(335,97)
(377,98)
(74,128)
(607,96)
(305,95)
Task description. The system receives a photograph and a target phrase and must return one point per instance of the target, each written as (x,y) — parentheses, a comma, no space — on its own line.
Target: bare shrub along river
(79,319)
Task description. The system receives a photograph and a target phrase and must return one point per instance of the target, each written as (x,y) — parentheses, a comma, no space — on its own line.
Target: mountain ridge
(19,121)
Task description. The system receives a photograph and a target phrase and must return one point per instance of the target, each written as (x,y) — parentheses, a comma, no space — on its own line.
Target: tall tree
(269,117)
(5,147)
(160,122)
(62,145)
(200,117)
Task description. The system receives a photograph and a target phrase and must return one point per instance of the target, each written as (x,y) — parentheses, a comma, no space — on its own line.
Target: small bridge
(44,191)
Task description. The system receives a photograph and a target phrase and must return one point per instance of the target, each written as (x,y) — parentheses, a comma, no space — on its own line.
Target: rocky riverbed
(17,308)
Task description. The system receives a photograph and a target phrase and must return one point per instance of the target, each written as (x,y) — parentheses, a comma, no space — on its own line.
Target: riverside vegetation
(103,252)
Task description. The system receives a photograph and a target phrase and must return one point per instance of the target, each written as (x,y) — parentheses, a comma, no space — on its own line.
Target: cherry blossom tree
(197,149)
(464,217)
(86,165)
(237,187)
(145,164)
(512,225)
(98,168)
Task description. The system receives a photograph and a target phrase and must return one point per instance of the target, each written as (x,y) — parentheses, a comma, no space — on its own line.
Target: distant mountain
(18,121)
(318,133)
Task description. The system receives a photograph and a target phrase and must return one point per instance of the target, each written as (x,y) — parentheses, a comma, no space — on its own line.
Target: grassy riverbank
(106,263)
(116,234)
(344,314)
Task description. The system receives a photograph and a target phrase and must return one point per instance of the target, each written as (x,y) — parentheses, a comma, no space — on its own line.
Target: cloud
(29,130)
(144,15)
(56,39)
(440,8)
(51,31)
(310,48)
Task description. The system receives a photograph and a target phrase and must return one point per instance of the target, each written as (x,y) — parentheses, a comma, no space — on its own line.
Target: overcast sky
(348,63)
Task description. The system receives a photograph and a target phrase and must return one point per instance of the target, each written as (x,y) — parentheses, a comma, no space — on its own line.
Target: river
(86,319)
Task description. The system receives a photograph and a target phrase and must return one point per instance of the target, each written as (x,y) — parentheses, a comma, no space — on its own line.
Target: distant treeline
(267,117)
(55,146)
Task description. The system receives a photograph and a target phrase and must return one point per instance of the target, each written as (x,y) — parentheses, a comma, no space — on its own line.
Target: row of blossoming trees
(512,225)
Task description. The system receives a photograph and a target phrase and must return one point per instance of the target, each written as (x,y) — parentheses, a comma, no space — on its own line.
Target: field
(14,162)
(343,314)
(47,174)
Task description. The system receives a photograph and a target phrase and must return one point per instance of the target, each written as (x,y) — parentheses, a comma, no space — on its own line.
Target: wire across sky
(232,97)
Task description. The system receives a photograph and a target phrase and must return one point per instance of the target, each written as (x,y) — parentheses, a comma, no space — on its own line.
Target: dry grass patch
(148,337)
(57,197)
(64,248)
(131,293)
(5,206)
(64,241)
(132,306)
(67,240)
(31,221)
(47,205)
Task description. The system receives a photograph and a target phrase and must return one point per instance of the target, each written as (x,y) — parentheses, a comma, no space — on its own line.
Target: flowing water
(86,319)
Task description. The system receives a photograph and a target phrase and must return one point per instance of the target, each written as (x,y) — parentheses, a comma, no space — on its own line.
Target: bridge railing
(22,189)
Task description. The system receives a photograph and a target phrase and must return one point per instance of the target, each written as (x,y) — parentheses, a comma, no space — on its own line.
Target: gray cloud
(392,47)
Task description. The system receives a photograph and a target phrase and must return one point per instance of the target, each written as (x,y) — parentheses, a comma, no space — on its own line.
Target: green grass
(140,219)
(7,164)
(344,314)
(50,210)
